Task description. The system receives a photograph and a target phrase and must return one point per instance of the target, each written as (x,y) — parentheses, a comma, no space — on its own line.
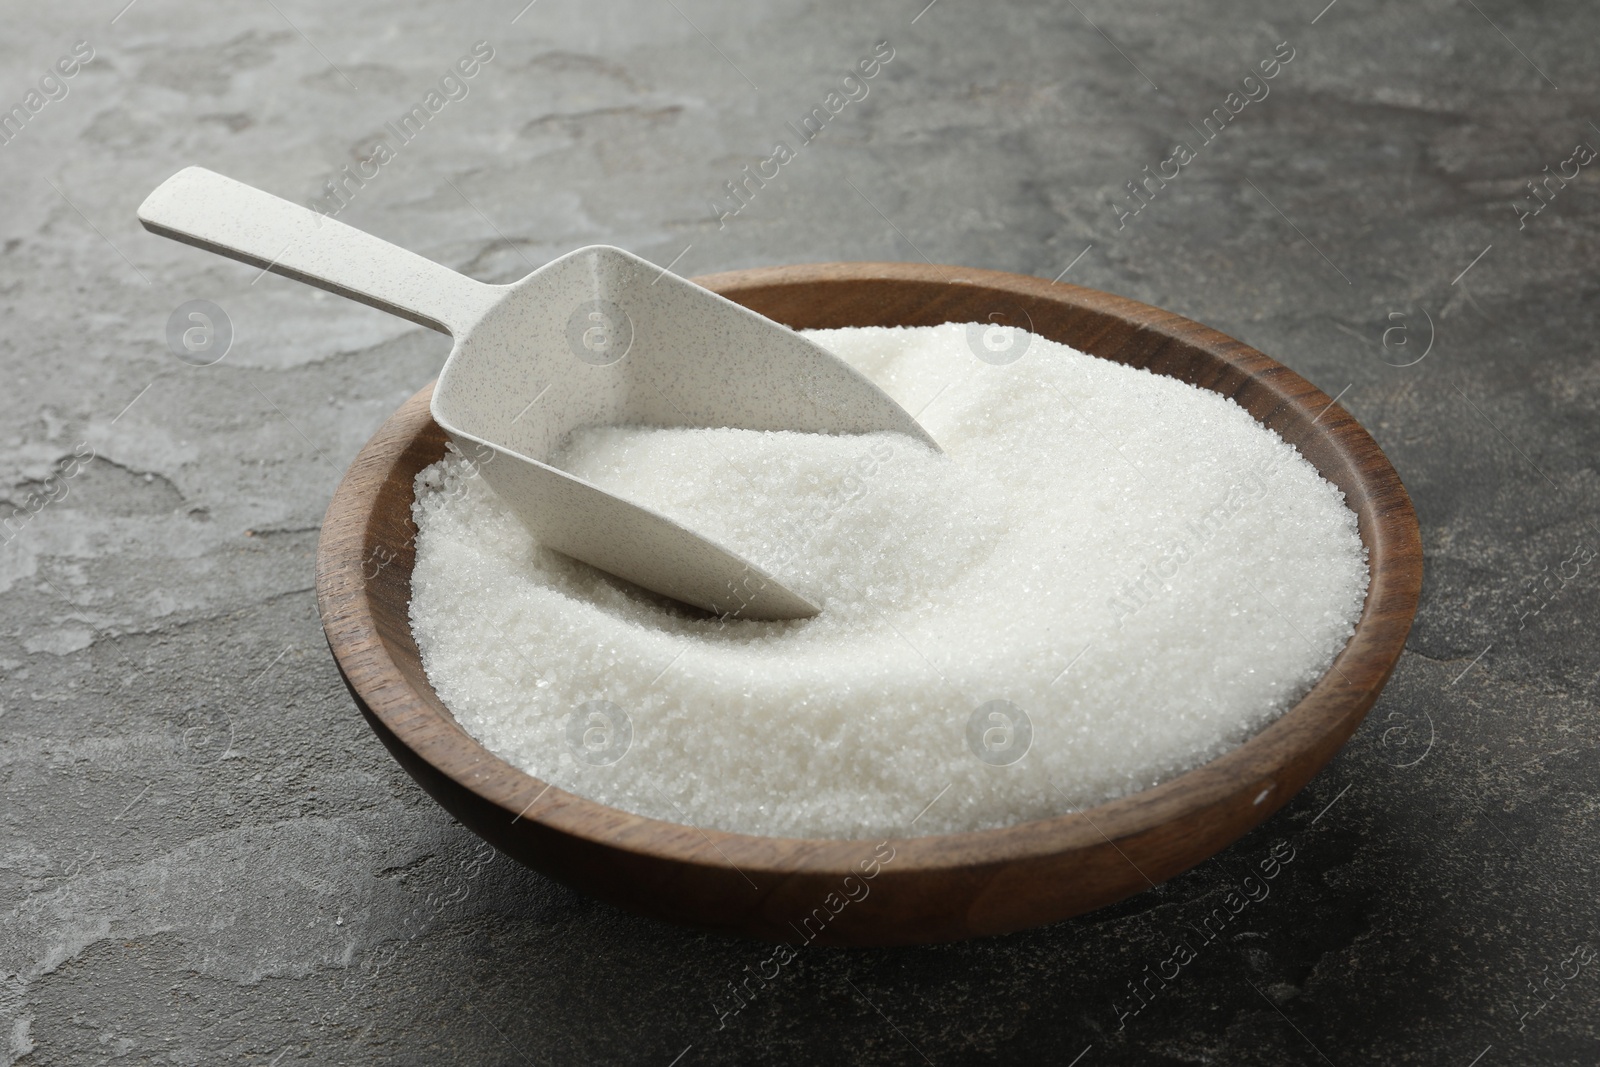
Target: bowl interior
(932,888)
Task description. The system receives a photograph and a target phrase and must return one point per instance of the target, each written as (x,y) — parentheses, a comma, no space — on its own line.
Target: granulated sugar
(1109,578)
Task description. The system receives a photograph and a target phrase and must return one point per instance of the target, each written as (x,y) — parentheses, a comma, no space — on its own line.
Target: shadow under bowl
(937,888)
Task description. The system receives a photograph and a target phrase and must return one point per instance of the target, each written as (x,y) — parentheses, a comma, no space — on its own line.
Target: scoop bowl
(934,888)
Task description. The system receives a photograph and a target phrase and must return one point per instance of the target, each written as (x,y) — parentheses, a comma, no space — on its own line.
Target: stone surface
(206,857)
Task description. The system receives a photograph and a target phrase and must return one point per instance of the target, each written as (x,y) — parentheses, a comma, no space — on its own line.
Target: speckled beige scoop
(597,337)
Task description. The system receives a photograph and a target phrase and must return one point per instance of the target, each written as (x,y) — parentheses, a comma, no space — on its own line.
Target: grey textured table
(206,857)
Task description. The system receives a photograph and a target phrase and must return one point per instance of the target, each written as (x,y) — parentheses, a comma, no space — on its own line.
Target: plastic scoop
(597,337)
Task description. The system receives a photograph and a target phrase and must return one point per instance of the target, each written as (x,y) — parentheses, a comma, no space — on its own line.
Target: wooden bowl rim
(1329,709)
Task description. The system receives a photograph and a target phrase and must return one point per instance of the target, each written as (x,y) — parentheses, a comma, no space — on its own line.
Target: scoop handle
(205,209)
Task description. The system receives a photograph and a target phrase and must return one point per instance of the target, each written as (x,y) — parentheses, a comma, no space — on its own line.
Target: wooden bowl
(928,888)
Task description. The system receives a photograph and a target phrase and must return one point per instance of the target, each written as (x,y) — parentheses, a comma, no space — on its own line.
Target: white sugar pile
(1139,570)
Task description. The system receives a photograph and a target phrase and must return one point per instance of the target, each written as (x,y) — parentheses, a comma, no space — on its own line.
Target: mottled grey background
(206,857)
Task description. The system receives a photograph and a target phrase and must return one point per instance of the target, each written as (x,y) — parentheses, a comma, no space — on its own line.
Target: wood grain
(934,888)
